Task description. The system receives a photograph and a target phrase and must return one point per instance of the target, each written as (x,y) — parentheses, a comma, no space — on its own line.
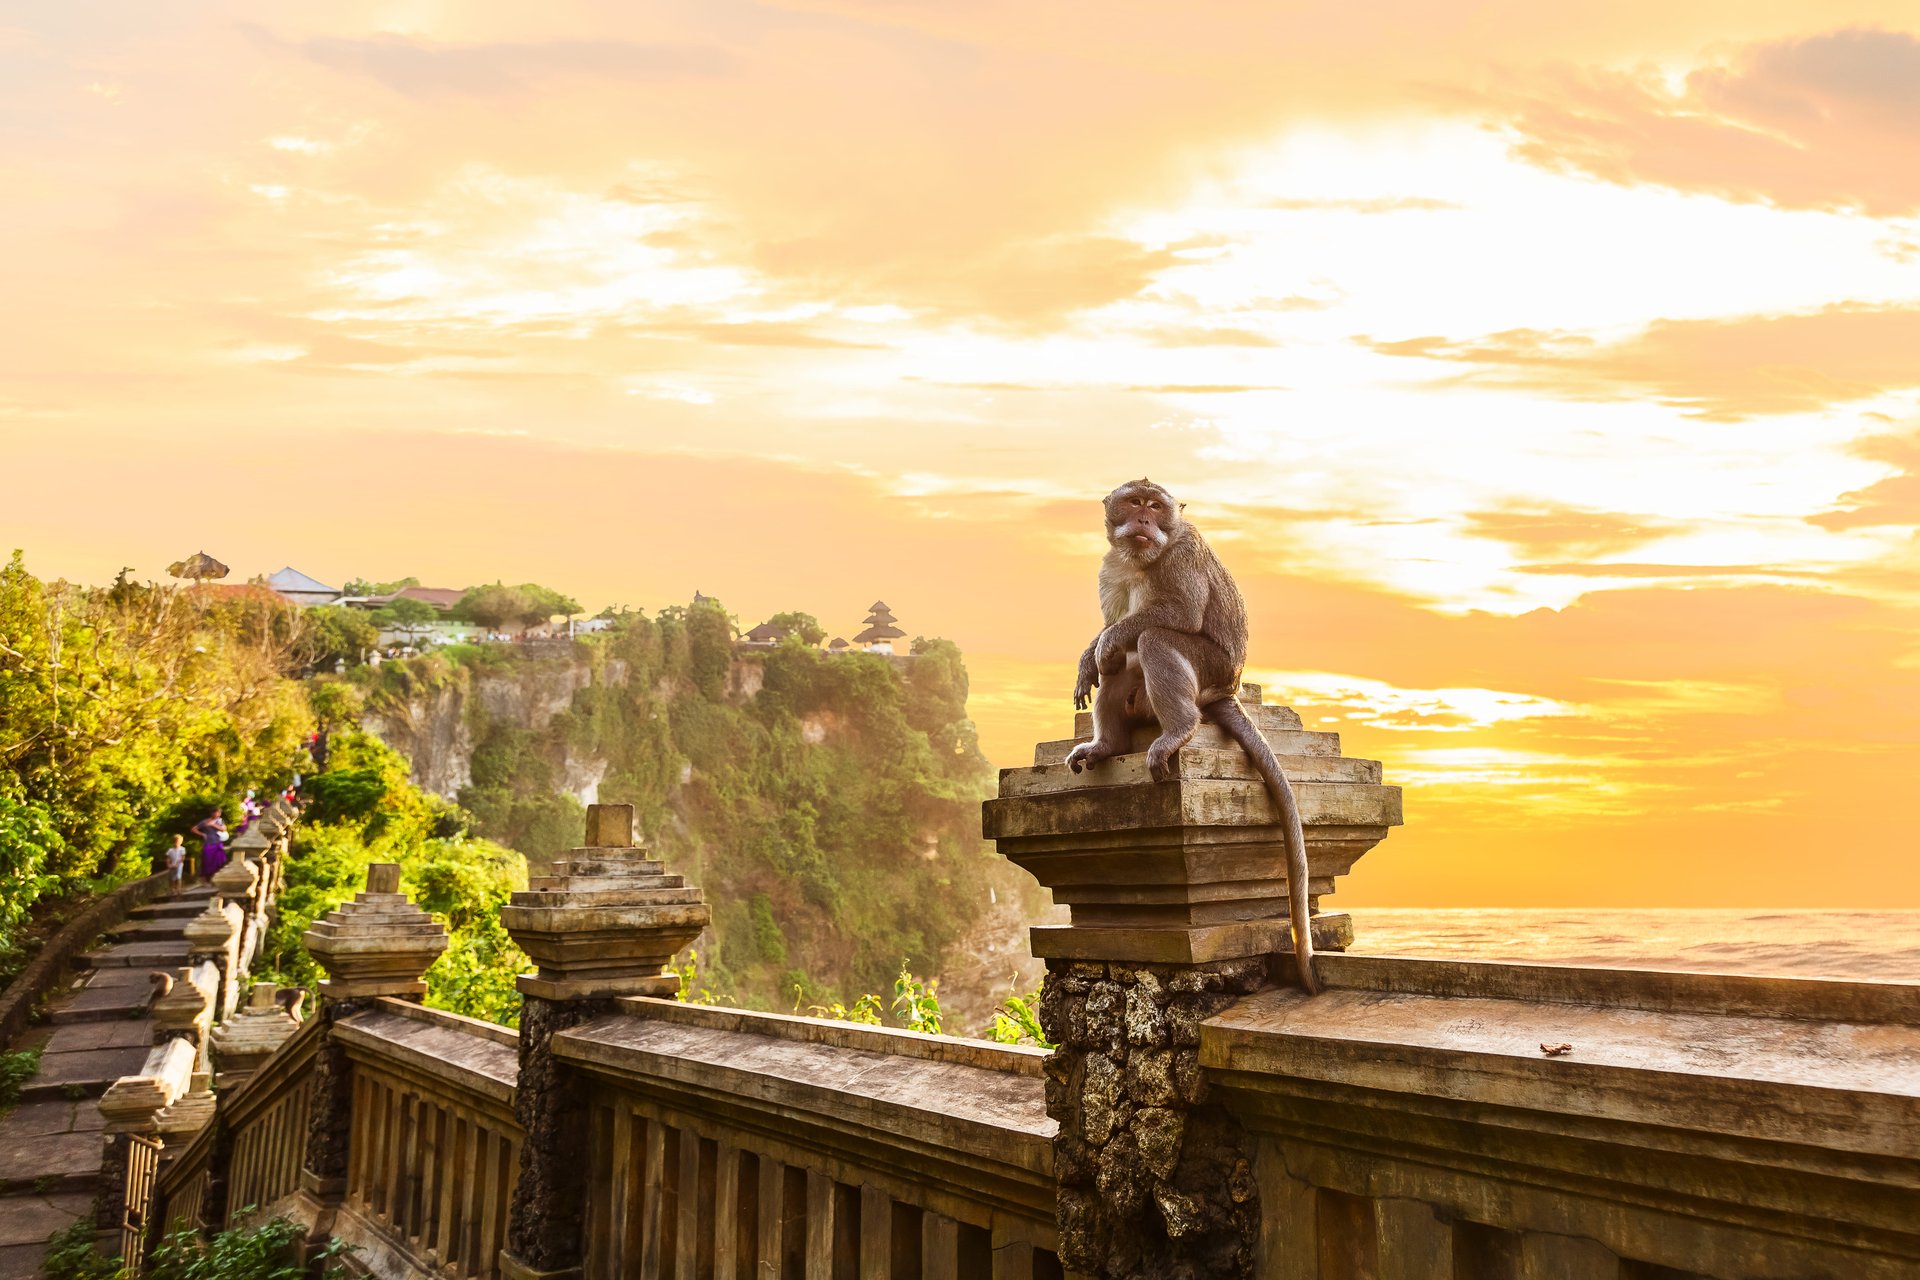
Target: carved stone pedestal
(602,924)
(1178,896)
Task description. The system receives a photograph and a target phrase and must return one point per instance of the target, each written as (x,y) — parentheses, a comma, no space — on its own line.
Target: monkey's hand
(1083,684)
(1110,651)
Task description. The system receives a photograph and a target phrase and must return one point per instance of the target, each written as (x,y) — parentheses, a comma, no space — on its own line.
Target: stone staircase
(96,1031)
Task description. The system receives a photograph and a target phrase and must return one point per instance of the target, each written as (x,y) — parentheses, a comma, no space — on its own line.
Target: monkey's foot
(1160,763)
(1086,755)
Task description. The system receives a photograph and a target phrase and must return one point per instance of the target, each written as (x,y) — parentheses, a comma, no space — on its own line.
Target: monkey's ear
(1183,506)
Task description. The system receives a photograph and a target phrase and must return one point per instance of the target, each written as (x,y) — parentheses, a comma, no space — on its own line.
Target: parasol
(199,566)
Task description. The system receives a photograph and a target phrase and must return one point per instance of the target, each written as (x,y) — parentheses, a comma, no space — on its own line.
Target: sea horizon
(1848,943)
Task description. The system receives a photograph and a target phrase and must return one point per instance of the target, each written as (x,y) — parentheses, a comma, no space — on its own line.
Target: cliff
(828,805)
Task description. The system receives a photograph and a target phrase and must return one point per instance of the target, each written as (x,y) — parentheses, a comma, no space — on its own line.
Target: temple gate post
(601,923)
(1178,899)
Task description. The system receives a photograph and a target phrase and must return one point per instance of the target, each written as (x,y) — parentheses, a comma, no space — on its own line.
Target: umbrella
(199,566)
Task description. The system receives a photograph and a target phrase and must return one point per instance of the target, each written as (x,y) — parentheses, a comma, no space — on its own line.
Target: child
(177,863)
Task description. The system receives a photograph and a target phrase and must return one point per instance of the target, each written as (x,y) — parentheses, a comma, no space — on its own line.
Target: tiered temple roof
(880,626)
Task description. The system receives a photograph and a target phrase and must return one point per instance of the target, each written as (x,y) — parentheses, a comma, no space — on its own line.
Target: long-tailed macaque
(1172,650)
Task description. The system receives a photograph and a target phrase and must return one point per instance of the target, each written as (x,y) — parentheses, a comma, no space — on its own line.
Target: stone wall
(1154,1178)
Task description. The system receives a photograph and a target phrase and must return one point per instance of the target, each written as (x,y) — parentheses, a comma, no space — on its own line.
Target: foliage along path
(97,1030)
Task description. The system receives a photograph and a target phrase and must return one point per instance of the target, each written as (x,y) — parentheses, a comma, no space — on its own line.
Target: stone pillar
(244,1042)
(602,924)
(1178,899)
(213,937)
(130,1107)
(240,882)
(378,945)
(185,1012)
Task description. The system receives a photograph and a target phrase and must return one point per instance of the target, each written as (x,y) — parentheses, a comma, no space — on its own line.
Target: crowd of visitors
(213,832)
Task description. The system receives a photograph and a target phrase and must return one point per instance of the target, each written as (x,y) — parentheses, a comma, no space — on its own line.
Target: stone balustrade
(1201,1116)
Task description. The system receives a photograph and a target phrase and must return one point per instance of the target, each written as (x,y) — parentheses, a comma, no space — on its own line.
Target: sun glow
(1554,404)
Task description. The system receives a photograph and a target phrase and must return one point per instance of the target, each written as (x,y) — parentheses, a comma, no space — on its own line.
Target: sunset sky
(1547,373)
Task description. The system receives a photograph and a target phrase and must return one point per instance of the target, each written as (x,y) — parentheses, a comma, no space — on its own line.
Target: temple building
(880,632)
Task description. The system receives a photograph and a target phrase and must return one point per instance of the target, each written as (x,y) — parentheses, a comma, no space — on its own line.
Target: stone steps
(109,994)
(150,931)
(172,909)
(134,955)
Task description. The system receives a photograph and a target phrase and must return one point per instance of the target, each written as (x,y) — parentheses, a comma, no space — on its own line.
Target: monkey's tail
(1227,714)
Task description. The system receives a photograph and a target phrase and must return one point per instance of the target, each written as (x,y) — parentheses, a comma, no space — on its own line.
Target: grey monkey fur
(1175,639)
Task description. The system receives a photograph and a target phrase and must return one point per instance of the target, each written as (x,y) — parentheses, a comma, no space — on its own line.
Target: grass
(15,1070)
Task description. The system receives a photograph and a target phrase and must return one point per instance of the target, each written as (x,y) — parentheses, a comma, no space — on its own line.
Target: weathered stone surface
(1099,1099)
(377,945)
(543,1233)
(604,921)
(1152,1181)
(1189,869)
(330,1115)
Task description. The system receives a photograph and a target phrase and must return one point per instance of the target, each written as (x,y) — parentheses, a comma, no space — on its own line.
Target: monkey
(1172,649)
(290,1000)
(161,984)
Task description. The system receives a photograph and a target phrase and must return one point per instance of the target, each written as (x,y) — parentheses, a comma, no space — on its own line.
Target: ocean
(1802,944)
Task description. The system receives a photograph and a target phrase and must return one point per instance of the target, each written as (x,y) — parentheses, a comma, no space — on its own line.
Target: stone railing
(1408,1121)
(741,1143)
(1201,1116)
(619,1133)
(157,1119)
(433,1148)
(1423,1119)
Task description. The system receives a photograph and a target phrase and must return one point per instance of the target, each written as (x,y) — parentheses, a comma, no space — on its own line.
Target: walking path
(97,1031)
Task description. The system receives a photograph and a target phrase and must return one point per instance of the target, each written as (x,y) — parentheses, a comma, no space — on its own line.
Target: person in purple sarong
(212,831)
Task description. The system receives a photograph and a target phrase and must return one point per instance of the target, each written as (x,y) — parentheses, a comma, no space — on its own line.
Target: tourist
(212,831)
(176,864)
(251,807)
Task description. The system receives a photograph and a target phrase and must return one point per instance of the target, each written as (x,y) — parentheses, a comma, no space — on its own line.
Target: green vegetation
(364,810)
(129,712)
(272,1250)
(408,616)
(833,818)
(15,1070)
(363,587)
(1017,1021)
(528,604)
(801,628)
(336,634)
(827,805)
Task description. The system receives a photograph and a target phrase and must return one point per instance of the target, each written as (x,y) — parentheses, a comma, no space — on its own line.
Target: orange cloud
(1805,123)
(1722,369)
(1892,501)
(1564,531)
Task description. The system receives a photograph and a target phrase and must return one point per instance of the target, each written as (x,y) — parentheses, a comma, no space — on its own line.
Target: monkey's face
(1141,520)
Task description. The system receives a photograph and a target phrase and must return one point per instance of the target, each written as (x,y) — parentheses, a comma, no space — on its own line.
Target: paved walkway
(98,1031)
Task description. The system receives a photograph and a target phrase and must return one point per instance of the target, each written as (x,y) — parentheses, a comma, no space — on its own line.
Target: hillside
(829,806)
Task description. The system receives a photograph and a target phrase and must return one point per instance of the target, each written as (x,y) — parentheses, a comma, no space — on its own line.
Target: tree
(407,616)
(799,626)
(544,602)
(337,634)
(362,587)
(492,606)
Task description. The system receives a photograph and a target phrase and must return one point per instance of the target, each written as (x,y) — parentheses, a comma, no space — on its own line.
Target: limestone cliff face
(828,805)
(435,727)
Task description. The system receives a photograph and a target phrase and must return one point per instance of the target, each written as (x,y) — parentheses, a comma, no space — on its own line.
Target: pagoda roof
(878,606)
(767,631)
(878,633)
(839,642)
